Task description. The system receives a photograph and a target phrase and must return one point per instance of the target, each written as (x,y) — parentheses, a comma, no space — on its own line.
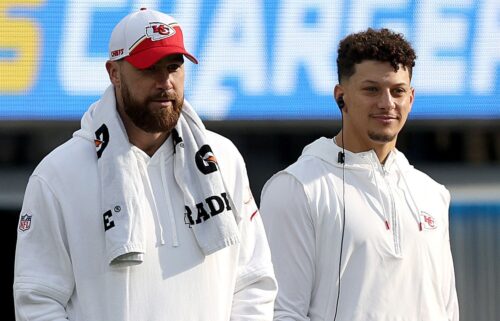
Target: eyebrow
(376,82)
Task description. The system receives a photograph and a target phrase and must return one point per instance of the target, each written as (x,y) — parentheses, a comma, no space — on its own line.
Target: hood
(326,150)
(396,165)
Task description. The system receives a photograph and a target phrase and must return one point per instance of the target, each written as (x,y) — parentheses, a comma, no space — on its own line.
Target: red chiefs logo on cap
(157,31)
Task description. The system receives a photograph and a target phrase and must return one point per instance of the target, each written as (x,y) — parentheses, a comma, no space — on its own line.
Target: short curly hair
(381,45)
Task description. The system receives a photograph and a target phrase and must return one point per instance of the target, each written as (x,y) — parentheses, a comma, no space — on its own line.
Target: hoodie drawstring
(175,239)
(387,226)
(415,206)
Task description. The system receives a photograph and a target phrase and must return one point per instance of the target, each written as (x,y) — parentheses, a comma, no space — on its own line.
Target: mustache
(165,95)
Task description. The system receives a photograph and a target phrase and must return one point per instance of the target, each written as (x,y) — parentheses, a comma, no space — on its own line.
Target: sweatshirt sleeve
(286,216)
(255,289)
(449,288)
(43,279)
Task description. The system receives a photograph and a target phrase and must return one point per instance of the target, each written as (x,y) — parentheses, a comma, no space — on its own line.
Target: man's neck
(147,142)
(355,145)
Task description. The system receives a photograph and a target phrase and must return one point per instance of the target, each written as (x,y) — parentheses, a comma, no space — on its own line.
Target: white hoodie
(61,270)
(391,269)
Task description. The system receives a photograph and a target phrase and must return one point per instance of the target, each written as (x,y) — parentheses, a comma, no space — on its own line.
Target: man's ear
(113,68)
(412,97)
(338,96)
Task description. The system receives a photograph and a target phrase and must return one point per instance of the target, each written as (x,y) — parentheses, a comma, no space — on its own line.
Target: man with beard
(356,233)
(144,214)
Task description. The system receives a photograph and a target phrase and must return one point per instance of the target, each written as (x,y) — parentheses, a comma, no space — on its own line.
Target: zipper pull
(387,225)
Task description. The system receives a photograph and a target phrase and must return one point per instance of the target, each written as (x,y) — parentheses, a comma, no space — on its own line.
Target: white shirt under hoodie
(61,271)
(400,273)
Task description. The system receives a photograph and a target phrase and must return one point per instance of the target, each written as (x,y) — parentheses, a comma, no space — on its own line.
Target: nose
(163,79)
(386,100)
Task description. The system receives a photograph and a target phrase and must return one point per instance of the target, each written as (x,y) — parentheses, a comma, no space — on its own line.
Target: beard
(149,119)
(381,138)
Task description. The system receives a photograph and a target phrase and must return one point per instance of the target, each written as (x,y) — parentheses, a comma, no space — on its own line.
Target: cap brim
(147,58)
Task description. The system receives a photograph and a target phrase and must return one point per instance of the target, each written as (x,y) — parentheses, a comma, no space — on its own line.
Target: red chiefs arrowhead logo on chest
(428,221)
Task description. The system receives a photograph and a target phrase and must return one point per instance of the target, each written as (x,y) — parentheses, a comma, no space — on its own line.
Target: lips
(385,117)
(385,120)
(163,103)
(164,100)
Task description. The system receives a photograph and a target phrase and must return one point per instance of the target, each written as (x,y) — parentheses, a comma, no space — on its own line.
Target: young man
(135,218)
(356,233)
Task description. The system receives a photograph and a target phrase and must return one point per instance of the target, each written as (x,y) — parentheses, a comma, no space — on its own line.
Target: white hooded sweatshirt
(62,273)
(396,260)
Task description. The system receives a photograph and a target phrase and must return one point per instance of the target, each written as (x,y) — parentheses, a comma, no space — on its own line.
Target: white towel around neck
(123,200)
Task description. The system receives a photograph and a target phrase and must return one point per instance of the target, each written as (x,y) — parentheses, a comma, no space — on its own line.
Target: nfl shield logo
(25,222)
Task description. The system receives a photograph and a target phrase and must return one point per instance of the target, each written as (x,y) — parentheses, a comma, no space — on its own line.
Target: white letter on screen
(79,73)
(437,32)
(362,13)
(234,48)
(309,45)
(486,49)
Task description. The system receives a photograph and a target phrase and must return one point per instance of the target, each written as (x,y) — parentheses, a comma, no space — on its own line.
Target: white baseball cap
(146,36)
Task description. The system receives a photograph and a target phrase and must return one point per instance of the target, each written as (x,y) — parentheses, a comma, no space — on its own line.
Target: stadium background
(265,80)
